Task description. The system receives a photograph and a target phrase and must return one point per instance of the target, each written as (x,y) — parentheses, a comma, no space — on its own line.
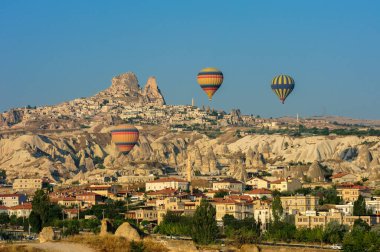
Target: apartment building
(104,190)
(165,183)
(14,199)
(259,183)
(89,198)
(229,185)
(287,184)
(144,213)
(302,221)
(350,193)
(27,184)
(299,204)
(22,210)
(240,210)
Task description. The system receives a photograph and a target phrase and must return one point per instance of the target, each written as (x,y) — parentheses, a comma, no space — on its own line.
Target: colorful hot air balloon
(125,137)
(210,79)
(282,85)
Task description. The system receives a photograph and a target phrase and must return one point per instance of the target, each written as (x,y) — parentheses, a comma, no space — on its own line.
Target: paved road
(61,247)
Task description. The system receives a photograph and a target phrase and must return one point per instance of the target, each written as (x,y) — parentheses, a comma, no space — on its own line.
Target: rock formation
(315,172)
(11,117)
(126,87)
(46,234)
(152,92)
(127,231)
(106,227)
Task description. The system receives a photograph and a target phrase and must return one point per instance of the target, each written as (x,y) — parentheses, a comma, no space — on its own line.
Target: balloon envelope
(210,79)
(282,86)
(125,137)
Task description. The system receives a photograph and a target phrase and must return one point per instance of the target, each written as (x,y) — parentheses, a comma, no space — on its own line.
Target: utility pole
(63,222)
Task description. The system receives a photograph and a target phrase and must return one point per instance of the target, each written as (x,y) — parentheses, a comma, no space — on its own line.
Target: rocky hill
(90,152)
(126,87)
(124,93)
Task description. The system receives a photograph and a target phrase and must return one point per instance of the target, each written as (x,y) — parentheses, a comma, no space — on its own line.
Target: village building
(302,221)
(27,184)
(13,199)
(239,209)
(350,193)
(343,177)
(285,185)
(258,183)
(259,193)
(89,199)
(164,183)
(22,210)
(229,185)
(299,204)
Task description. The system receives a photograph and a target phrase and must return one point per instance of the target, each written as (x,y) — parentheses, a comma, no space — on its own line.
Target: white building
(14,199)
(346,209)
(228,184)
(23,210)
(163,183)
(258,183)
(373,205)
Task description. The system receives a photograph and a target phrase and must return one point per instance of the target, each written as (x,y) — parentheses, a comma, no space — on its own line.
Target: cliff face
(65,155)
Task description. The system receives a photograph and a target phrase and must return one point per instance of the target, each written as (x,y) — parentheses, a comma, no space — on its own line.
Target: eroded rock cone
(127,231)
(106,228)
(46,234)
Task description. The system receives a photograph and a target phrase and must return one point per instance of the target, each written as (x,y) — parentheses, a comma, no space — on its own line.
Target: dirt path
(61,247)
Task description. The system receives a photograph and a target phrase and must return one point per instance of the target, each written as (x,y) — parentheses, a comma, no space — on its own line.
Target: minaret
(192,102)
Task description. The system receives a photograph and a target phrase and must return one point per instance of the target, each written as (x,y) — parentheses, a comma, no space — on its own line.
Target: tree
(35,222)
(334,232)
(204,227)
(360,240)
(220,194)
(4,218)
(359,207)
(361,225)
(277,209)
(40,210)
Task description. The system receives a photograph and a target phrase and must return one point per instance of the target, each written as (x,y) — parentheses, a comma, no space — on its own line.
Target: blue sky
(53,51)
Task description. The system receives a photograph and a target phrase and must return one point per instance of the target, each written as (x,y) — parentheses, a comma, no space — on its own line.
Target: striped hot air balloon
(125,137)
(210,79)
(282,85)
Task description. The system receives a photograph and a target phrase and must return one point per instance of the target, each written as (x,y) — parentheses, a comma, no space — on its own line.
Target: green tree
(40,210)
(220,194)
(71,227)
(334,232)
(360,224)
(204,227)
(361,240)
(35,222)
(277,209)
(359,207)
(4,218)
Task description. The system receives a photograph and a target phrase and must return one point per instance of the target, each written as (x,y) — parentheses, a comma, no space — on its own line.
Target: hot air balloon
(282,85)
(210,79)
(125,137)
